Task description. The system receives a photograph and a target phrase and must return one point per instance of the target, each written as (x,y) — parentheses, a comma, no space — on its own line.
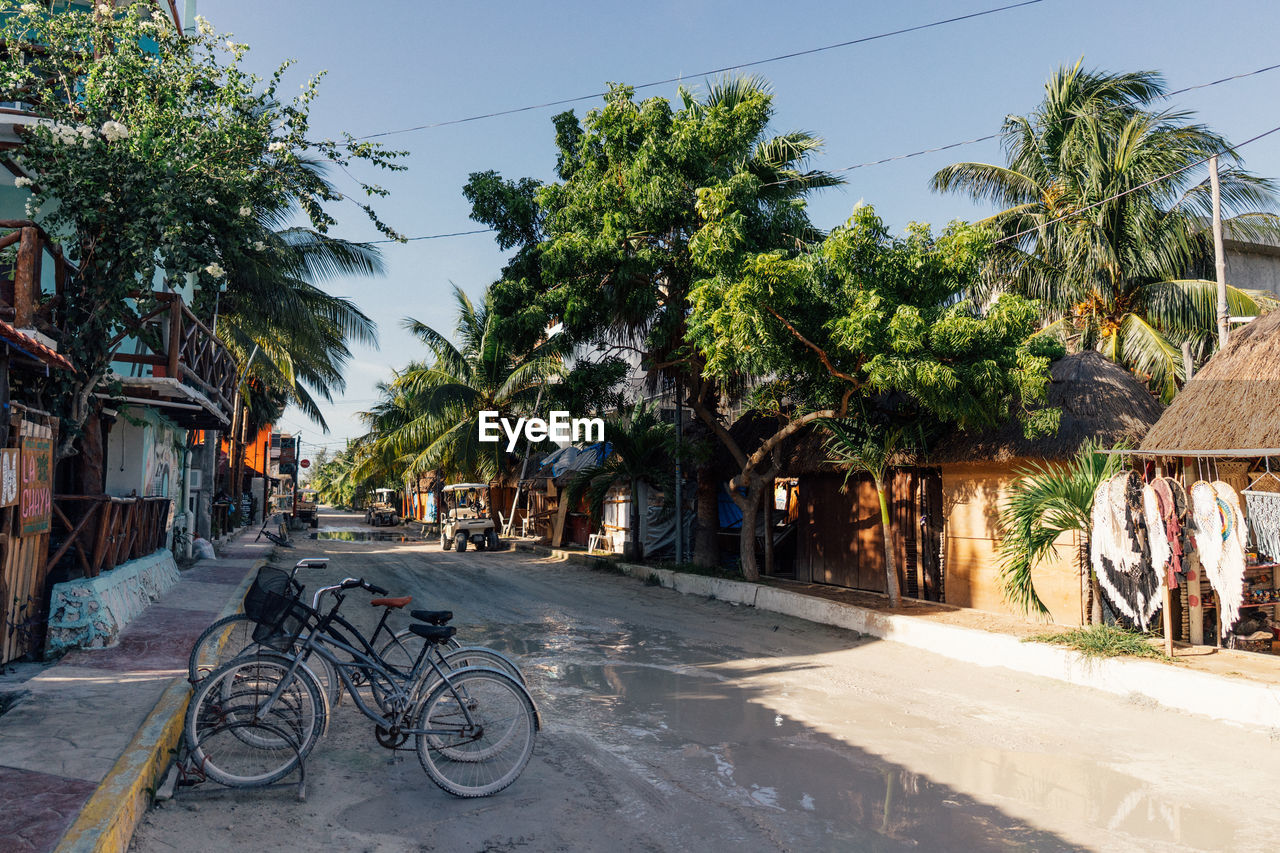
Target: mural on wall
(161,463)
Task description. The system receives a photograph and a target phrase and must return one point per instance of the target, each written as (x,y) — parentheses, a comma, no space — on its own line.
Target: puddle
(659,707)
(365,536)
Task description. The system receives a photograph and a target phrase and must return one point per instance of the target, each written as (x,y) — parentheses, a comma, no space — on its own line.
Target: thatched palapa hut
(1099,400)
(1228,408)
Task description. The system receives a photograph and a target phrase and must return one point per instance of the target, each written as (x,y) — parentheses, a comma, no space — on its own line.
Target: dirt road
(678,723)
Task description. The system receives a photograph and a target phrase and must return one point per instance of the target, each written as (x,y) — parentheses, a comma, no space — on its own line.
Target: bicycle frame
(403,697)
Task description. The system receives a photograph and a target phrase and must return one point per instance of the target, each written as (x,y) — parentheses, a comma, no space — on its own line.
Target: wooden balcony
(96,533)
(21,302)
(178,364)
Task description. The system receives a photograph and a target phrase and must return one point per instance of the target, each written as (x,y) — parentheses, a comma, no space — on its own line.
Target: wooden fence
(96,533)
(26,486)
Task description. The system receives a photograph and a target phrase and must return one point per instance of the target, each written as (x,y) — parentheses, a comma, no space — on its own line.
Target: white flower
(215,270)
(259,246)
(277,147)
(113,131)
(105,9)
(30,8)
(202,24)
(159,17)
(246,211)
(23,182)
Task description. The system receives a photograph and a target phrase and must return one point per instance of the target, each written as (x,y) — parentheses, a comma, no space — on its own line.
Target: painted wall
(144,455)
(972,495)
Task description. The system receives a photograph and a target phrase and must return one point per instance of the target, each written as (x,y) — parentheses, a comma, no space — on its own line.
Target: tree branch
(822,354)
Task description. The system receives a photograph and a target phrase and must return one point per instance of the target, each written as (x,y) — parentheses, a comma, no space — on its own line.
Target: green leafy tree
(640,451)
(1045,502)
(614,263)
(157,152)
(859,317)
(1108,199)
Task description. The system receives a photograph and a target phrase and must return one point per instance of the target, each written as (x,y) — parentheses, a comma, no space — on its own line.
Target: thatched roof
(1231,404)
(1098,398)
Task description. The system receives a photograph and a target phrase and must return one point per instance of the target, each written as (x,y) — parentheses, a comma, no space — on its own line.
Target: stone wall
(90,613)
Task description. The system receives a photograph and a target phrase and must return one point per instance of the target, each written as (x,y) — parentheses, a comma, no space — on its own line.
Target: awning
(183,404)
(33,348)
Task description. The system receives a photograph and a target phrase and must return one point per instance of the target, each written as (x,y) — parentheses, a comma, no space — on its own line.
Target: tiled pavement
(64,736)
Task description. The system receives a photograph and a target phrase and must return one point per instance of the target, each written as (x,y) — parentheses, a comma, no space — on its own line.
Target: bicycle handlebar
(347,583)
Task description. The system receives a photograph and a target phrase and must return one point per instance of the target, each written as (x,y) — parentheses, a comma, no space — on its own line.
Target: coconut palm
(1105,200)
(429,415)
(1045,502)
(640,450)
(861,449)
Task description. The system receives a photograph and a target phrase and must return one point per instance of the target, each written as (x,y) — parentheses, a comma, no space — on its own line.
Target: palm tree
(1105,202)
(640,450)
(299,333)
(429,415)
(1046,502)
(858,448)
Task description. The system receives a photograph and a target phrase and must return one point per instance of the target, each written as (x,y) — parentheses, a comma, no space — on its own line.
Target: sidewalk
(1238,687)
(84,745)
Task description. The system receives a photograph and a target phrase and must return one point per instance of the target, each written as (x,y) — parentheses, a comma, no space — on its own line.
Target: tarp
(574,459)
(660,532)
(730,515)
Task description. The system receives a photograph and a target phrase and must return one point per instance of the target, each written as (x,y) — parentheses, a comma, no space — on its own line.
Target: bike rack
(191,774)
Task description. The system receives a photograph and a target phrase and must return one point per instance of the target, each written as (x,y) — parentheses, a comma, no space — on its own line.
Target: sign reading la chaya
(35,500)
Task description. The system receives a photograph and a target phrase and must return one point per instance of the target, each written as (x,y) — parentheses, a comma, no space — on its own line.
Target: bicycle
(280,537)
(239,634)
(473,727)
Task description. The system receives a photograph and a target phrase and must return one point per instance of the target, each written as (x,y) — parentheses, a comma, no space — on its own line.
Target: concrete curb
(108,820)
(1234,700)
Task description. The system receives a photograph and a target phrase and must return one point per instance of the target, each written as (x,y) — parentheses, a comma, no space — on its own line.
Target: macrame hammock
(1219,536)
(1264,516)
(1121,551)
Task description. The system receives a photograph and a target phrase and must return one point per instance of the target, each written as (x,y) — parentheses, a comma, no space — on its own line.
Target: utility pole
(679,474)
(1219,256)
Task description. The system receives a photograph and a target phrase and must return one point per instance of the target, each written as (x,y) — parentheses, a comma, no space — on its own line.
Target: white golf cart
(383,509)
(464,517)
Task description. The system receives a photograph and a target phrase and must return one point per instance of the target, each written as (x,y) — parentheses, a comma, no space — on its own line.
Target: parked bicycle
(280,536)
(256,718)
(240,634)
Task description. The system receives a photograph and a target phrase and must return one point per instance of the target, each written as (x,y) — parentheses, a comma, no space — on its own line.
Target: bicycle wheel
(483,657)
(402,650)
(232,637)
(476,732)
(237,743)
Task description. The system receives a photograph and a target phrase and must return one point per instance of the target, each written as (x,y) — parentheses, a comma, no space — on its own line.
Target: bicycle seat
(434,633)
(433,617)
(395,603)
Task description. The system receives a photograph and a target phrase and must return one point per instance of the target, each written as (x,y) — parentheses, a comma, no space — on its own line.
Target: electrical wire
(670,80)
(893,159)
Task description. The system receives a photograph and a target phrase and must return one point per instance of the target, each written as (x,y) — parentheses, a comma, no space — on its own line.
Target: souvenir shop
(1196,540)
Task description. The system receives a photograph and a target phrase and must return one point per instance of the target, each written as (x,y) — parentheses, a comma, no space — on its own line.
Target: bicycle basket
(272,602)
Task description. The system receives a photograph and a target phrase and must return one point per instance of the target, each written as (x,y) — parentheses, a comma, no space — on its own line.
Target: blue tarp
(730,515)
(574,459)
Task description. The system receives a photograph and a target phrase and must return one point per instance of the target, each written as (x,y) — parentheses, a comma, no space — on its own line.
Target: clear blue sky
(396,63)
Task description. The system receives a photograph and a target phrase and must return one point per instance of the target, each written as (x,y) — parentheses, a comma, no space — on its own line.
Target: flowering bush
(154,151)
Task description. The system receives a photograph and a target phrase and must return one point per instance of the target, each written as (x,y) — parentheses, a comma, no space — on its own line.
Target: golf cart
(383,510)
(305,510)
(464,517)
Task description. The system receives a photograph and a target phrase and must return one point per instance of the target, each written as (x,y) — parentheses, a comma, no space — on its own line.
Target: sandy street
(676,723)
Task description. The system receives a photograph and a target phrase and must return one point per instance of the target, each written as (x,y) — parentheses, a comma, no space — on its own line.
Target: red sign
(35,504)
(305,463)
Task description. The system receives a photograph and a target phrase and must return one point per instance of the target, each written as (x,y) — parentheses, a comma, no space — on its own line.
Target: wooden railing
(20,297)
(100,532)
(185,349)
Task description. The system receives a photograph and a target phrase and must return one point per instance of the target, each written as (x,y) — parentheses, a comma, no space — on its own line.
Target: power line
(1154,180)
(998,134)
(669,80)
(893,159)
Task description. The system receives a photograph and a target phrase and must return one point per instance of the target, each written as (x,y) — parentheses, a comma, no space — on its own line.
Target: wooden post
(175,337)
(24,278)
(1219,256)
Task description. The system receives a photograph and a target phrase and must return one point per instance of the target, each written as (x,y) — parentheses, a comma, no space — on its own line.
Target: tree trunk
(1095,600)
(750,506)
(91,462)
(768,528)
(890,564)
(706,542)
(1085,570)
(637,546)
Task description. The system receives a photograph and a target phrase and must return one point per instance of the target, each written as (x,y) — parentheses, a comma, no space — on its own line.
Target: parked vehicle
(464,517)
(305,510)
(383,509)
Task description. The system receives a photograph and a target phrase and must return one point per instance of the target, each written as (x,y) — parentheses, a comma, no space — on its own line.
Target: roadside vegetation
(1103,641)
